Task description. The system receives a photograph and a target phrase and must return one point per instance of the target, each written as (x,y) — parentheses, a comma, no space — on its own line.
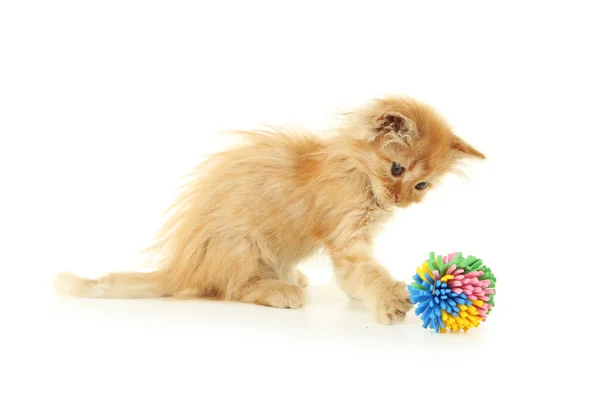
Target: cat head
(405,147)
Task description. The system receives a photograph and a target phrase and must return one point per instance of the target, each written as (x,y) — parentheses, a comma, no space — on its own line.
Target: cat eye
(397,169)
(421,185)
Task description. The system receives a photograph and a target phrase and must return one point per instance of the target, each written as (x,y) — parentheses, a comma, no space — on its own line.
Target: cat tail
(120,285)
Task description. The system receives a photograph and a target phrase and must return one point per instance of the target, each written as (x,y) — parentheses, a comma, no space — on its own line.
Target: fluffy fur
(247,216)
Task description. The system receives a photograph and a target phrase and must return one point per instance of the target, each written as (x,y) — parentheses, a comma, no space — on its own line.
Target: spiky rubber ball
(453,293)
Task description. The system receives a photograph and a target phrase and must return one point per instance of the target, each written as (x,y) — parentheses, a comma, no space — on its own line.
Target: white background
(105,105)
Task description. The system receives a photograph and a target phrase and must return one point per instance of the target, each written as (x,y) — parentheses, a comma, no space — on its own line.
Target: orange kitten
(250,214)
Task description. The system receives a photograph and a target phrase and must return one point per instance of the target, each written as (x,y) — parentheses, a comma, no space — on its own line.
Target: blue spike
(421,307)
(426,314)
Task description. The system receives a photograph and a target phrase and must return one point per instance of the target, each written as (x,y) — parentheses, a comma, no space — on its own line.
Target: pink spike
(454,283)
(457,290)
(451,256)
(459,277)
(471,297)
(489,291)
(472,274)
(451,270)
(436,275)
(467,292)
(485,298)
(459,271)
(467,287)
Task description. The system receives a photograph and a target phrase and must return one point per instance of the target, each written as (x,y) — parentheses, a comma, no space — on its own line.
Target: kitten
(250,214)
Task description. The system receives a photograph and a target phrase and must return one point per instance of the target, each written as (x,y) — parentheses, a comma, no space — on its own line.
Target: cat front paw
(392,304)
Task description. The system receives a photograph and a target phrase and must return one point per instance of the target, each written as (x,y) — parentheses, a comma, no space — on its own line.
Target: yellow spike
(444,315)
(463,307)
(446,278)
(426,269)
(478,303)
(474,318)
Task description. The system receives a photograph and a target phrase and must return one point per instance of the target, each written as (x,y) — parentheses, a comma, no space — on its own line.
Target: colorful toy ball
(453,293)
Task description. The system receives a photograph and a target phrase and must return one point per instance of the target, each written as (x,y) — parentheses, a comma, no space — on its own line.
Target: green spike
(444,268)
(431,264)
(440,262)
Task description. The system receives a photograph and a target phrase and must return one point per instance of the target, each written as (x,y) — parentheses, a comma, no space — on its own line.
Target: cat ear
(464,149)
(396,123)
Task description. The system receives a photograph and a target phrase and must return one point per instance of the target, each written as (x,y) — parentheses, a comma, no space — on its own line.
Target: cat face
(411,147)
